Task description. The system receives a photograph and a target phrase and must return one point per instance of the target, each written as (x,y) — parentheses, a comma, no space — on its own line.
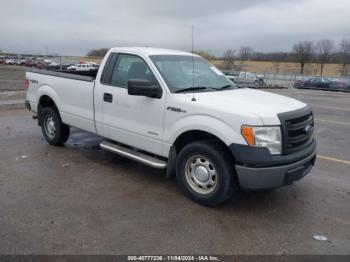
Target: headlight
(264,136)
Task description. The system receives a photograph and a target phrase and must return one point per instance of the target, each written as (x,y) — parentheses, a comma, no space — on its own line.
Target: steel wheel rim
(50,126)
(201,175)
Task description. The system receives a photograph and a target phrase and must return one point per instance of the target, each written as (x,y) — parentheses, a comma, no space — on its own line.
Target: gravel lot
(79,199)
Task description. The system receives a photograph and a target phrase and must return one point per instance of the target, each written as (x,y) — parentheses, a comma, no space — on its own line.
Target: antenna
(193,98)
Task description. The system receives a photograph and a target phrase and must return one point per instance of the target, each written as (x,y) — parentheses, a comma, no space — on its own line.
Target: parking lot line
(332,121)
(346,162)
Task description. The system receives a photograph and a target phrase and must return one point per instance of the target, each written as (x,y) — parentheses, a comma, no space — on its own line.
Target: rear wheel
(259,83)
(54,131)
(205,172)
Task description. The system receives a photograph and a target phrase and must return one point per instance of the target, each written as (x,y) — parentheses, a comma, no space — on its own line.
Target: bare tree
(276,65)
(325,49)
(245,53)
(344,48)
(229,59)
(303,52)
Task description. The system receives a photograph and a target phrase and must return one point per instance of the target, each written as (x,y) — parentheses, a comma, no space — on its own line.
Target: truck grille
(297,129)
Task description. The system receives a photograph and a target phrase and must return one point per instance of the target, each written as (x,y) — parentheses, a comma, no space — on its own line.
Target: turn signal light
(248,134)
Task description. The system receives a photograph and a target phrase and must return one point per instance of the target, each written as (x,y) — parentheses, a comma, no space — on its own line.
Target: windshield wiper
(224,87)
(194,88)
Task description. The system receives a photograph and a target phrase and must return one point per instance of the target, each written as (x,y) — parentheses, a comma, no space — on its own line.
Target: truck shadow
(88,146)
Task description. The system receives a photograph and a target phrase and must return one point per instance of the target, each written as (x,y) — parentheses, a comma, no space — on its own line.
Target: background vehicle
(30,63)
(347,85)
(21,62)
(10,61)
(214,137)
(299,83)
(40,65)
(323,83)
(82,67)
(58,67)
(245,79)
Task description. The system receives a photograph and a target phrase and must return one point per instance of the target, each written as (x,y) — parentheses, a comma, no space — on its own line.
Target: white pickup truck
(245,79)
(176,111)
(83,67)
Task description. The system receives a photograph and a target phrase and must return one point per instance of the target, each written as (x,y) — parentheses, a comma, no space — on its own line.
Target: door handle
(108,97)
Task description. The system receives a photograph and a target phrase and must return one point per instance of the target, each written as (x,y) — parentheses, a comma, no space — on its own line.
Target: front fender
(205,123)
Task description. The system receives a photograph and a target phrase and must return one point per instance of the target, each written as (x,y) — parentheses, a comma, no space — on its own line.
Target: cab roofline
(151,51)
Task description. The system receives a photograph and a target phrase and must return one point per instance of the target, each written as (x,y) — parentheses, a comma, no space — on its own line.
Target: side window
(130,67)
(108,69)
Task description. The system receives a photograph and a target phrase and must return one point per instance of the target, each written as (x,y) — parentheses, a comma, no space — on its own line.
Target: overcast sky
(74,27)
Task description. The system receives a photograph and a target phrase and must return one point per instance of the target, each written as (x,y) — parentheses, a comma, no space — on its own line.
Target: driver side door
(133,120)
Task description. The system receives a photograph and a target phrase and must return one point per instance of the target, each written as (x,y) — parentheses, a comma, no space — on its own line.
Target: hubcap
(50,126)
(201,175)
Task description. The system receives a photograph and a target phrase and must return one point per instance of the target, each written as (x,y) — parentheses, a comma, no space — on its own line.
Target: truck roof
(150,51)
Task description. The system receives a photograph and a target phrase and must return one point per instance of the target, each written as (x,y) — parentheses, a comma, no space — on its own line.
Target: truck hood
(262,104)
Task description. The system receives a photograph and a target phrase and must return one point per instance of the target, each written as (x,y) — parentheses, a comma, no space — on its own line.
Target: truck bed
(73,94)
(88,76)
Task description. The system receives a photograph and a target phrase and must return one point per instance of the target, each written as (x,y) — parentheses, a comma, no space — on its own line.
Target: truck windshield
(181,74)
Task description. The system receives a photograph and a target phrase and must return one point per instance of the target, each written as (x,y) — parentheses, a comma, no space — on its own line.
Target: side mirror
(141,87)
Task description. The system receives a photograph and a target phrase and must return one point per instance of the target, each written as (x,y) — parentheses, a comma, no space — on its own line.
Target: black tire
(261,82)
(62,131)
(256,85)
(216,154)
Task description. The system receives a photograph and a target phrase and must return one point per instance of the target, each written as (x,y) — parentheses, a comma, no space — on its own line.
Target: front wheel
(205,172)
(54,131)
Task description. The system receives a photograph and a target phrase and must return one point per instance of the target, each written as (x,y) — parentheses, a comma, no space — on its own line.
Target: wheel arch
(46,93)
(46,101)
(195,135)
(191,136)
